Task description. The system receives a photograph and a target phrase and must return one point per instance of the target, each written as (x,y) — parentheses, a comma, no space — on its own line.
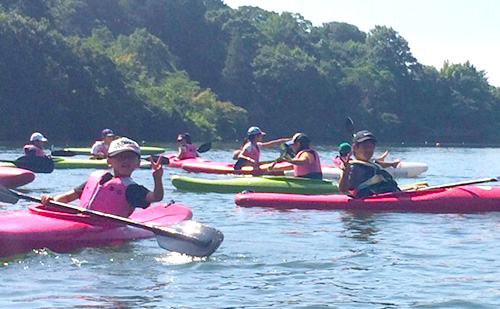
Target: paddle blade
(35,164)
(349,126)
(190,237)
(7,196)
(204,147)
(63,153)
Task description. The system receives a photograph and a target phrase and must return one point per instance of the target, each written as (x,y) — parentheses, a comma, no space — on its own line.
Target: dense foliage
(153,68)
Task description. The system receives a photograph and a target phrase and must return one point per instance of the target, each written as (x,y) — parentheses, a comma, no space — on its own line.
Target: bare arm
(344,183)
(65,197)
(275,142)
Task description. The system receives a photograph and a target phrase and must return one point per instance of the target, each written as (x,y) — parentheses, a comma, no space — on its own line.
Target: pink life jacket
(254,152)
(302,170)
(30,147)
(109,196)
(189,152)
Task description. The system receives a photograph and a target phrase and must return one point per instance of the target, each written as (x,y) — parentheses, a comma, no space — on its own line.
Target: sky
(436,30)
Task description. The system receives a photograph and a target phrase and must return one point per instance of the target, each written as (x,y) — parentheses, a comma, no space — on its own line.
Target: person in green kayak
(249,155)
(306,162)
(363,176)
(35,147)
(115,193)
(100,148)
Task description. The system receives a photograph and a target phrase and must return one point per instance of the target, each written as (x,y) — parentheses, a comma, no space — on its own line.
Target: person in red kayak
(186,148)
(115,193)
(306,162)
(363,176)
(100,148)
(249,155)
(35,147)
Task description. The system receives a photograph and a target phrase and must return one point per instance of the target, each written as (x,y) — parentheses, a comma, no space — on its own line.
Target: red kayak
(463,199)
(38,227)
(213,167)
(12,177)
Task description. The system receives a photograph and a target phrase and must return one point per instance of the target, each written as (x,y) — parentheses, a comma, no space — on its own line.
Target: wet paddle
(35,164)
(189,237)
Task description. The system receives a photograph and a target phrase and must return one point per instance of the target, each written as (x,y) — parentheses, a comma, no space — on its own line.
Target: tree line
(150,69)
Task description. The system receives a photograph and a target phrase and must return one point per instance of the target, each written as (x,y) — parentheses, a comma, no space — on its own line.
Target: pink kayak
(463,199)
(38,227)
(12,177)
(213,167)
(174,162)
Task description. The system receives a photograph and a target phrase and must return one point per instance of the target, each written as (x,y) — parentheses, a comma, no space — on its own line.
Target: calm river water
(293,259)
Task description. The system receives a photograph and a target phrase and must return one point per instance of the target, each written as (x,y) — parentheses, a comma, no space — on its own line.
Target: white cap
(37,136)
(123,144)
(254,131)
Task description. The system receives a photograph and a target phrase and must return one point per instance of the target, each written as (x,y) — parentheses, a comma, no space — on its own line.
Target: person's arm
(157,194)
(244,155)
(96,152)
(344,181)
(389,164)
(303,159)
(275,142)
(64,197)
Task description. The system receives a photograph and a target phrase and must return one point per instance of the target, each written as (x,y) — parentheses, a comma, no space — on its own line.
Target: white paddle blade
(190,237)
(8,196)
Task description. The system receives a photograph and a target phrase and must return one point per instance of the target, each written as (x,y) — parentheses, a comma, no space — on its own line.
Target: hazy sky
(436,30)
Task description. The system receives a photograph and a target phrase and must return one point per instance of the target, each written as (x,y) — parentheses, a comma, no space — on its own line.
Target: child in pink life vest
(249,155)
(306,162)
(116,193)
(100,148)
(35,147)
(186,148)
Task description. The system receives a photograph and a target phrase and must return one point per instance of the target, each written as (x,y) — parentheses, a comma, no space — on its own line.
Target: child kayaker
(363,176)
(343,155)
(186,148)
(116,193)
(35,147)
(100,148)
(249,155)
(306,162)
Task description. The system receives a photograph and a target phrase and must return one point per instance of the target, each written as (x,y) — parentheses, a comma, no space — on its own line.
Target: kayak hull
(403,170)
(36,228)
(145,150)
(282,184)
(13,177)
(213,167)
(463,199)
(68,163)
(174,162)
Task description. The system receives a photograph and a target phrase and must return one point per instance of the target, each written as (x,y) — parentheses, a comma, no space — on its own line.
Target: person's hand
(46,198)
(396,163)
(157,167)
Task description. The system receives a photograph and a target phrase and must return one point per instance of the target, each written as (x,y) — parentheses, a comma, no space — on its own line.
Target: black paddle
(35,164)
(189,237)
(349,127)
(204,147)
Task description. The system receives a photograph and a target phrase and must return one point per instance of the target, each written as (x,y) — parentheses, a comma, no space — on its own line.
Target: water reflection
(359,226)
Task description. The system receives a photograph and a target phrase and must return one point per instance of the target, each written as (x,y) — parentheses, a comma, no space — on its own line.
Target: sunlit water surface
(302,259)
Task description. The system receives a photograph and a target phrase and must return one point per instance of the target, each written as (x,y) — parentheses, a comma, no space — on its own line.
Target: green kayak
(280,184)
(145,150)
(65,163)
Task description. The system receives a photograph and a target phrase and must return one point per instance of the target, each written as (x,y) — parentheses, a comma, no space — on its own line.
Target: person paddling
(306,162)
(249,155)
(115,193)
(100,148)
(35,147)
(363,176)
(186,148)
